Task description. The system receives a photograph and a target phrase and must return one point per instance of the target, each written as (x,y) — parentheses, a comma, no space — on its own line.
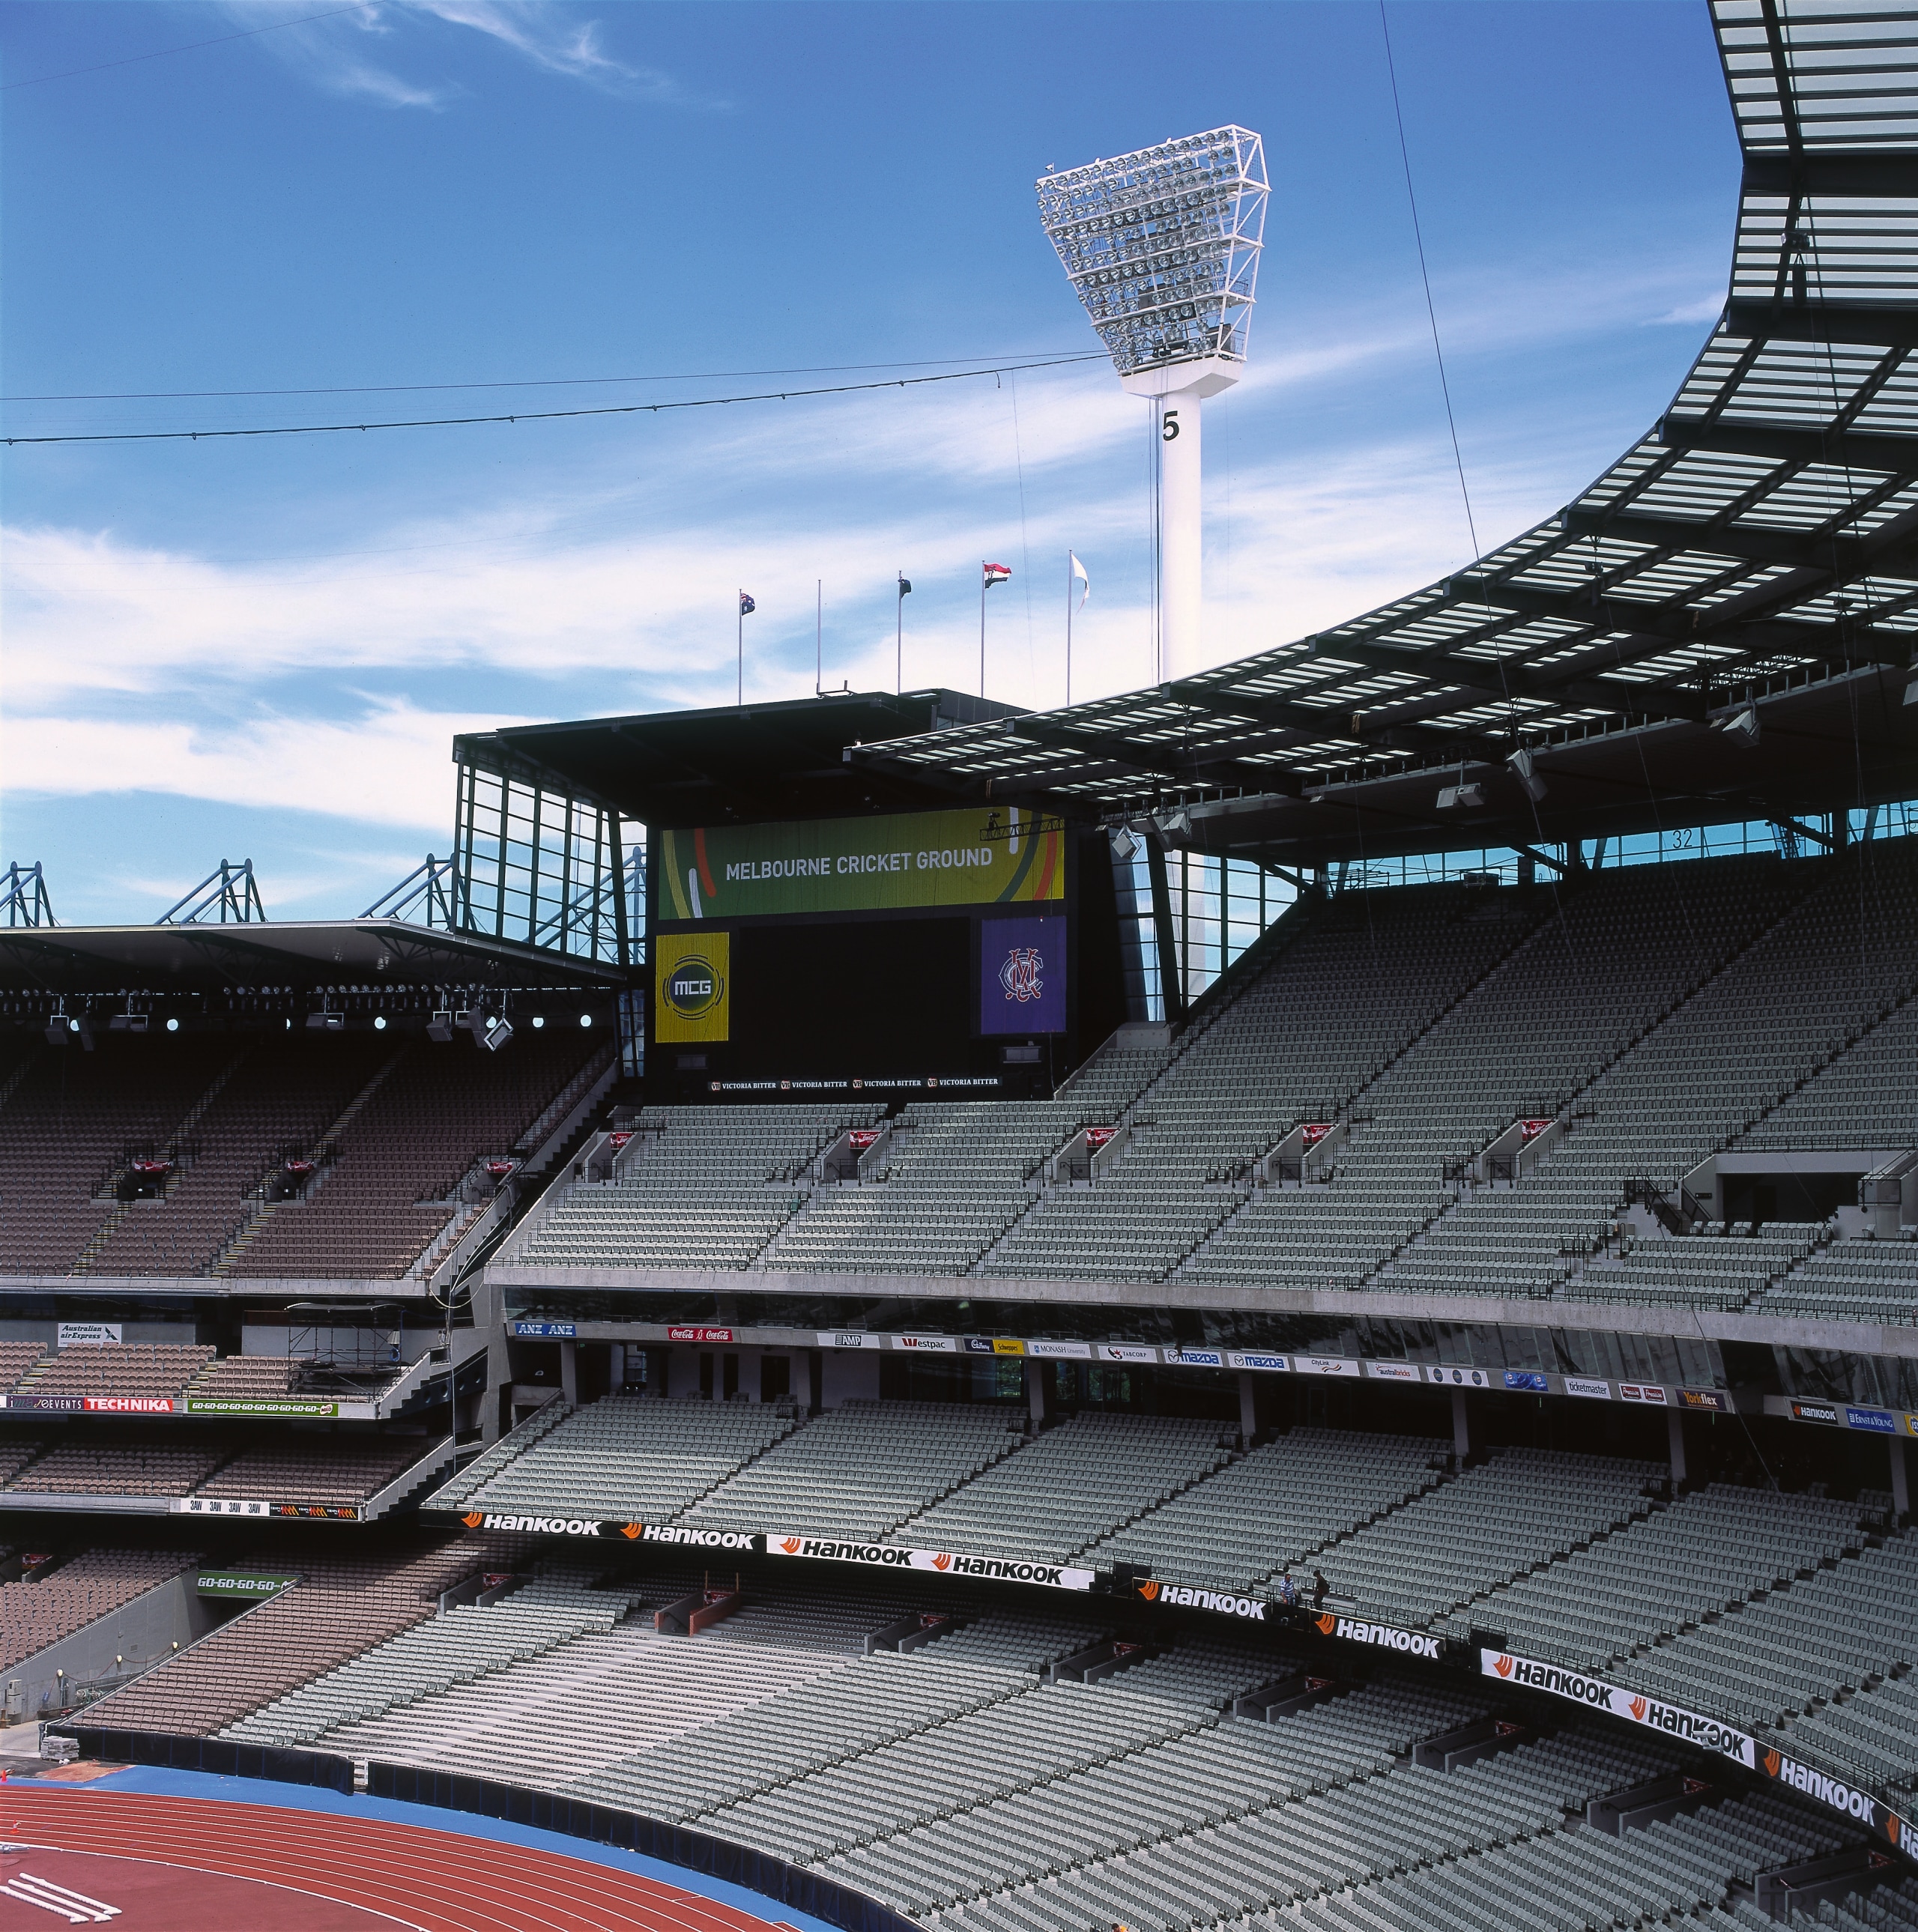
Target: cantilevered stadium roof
(1752,561)
(784,759)
(288,955)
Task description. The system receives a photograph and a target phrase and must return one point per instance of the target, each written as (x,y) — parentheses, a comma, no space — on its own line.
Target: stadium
(1286,1301)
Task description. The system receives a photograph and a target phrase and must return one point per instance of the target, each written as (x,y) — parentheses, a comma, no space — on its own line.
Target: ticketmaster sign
(983,855)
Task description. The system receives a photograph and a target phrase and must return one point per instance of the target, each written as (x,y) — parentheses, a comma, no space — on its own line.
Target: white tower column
(1177,394)
(1181,526)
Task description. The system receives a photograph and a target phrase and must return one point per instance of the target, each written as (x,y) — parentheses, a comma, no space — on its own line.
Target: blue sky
(262,648)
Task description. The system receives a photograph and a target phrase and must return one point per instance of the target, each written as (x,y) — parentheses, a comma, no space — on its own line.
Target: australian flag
(746,604)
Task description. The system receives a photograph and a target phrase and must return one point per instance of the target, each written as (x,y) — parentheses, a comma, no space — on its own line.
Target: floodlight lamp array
(1162,246)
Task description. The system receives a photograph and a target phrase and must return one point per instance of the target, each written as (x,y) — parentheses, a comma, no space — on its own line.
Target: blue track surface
(304,1797)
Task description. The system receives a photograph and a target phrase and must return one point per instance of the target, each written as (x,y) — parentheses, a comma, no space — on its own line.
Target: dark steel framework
(538,860)
(1751,563)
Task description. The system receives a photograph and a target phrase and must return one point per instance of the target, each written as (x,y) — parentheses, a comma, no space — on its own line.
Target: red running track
(435,1881)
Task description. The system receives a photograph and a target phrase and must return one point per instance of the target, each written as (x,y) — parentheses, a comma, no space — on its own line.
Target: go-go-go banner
(977,856)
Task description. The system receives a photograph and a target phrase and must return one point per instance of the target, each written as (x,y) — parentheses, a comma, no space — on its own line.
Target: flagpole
(898,639)
(982,630)
(818,633)
(740,699)
(1069,583)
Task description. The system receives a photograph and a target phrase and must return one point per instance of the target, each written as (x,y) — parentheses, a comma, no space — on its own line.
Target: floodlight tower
(1162,247)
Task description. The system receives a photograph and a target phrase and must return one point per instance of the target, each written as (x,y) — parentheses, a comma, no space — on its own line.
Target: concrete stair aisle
(10,1085)
(767,1259)
(1038,1194)
(102,1234)
(262,1210)
(84,1261)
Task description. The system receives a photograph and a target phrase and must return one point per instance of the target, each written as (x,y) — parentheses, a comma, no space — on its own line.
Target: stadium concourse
(1287,1301)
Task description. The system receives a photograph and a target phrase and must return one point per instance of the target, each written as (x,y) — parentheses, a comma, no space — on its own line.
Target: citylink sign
(983,855)
(1576,1686)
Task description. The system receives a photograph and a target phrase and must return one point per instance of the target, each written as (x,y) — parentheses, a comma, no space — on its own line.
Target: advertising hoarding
(692,986)
(978,855)
(1023,975)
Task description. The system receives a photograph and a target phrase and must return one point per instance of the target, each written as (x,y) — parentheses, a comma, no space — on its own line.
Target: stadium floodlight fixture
(497,1035)
(1533,786)
(586,1019)
(1742,727)
(1162,248)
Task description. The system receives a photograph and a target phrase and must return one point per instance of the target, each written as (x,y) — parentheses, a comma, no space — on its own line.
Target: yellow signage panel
(692,986)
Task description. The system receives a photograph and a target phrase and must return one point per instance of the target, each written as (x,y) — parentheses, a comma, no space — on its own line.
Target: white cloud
(134,665)
(387,765)
(332,52)
(1706,308)
(549,41)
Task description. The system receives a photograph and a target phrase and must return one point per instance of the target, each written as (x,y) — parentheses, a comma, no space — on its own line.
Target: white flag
(1078,571)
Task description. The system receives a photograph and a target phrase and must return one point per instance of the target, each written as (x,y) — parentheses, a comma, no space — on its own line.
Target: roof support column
(620,934)
(1171,981)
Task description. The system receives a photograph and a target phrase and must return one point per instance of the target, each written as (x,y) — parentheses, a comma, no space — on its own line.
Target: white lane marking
(74,1906)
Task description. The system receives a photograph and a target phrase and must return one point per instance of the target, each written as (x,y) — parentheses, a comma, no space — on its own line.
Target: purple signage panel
(1023,975)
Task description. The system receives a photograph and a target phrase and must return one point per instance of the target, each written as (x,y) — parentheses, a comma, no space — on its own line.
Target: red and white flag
(995,573)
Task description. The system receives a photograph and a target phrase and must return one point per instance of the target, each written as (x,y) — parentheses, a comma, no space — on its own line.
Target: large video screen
(918,949)
(981,855)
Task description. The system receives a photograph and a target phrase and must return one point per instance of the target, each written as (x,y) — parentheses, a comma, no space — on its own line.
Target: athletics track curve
(434,1881)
